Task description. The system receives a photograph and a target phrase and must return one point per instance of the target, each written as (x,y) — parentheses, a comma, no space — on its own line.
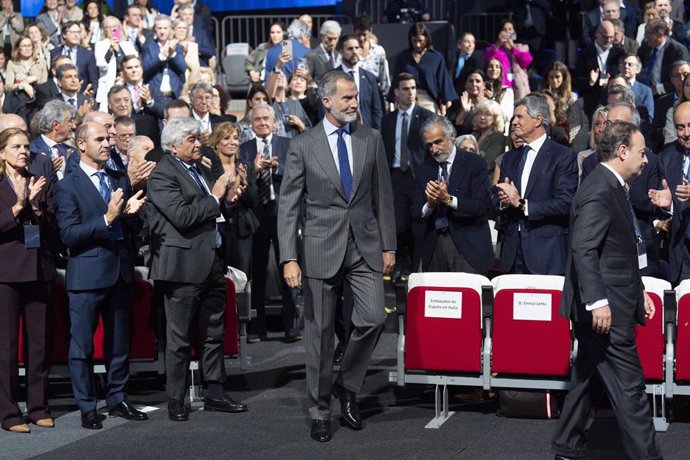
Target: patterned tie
(264,180)
(331,59)
(72,102)
(344,164)
(103,186)
(521,166)
(441,219)
(194,171)
(404,149)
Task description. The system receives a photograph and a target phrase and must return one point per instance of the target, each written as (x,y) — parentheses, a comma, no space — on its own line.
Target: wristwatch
(449,201)
(521,205)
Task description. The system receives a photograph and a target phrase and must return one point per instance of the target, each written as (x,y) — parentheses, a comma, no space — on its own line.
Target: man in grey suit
(339,173)
(324,57)
(186,262)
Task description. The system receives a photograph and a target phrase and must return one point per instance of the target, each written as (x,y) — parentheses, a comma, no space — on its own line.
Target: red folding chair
(441,333)
(531,343)
(681,383)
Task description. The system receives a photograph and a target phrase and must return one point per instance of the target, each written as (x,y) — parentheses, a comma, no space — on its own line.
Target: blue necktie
(521,166)
(103,186)
(344,163)
(461,65)
(195,174)
(650,66)
(106,194)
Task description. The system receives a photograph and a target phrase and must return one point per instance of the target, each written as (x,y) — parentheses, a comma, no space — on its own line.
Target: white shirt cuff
(454,203)
(660,88)
(597,304)
(426,210)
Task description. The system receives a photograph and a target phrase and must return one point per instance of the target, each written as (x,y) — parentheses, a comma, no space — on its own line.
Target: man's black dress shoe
(339,352)
(127,411)
(348,406)
(91,420)
(223,405)
(321,430)
(177,410)
(292,335)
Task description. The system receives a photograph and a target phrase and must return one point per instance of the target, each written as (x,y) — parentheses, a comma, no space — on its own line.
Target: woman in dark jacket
(238,230)
(27,221)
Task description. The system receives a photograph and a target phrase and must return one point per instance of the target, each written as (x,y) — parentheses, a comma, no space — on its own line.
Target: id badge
(641,255)
(32,236)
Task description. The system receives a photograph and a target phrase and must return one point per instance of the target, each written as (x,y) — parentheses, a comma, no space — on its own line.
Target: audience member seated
(25,70)
(221,104)
(559,83)
(326,56)
(49,18)
(435,90)
(461,111)
(110,54)
(496,90)
(511,55)
(93,19)
(26,275)
(372,55)
(469,59)
(488,130)
(81,57)
(288,60)
(254,63)
(238,230)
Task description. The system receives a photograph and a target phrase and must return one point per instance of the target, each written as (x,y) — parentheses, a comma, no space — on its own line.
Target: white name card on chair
(443,304)
(532,307)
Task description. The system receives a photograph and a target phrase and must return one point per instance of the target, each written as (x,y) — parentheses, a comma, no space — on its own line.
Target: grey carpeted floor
(277,424)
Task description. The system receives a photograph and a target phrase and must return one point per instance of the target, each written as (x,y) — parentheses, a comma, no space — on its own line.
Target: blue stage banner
(31,8)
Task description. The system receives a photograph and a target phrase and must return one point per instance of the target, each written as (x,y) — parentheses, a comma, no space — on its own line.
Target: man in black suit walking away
(603,295)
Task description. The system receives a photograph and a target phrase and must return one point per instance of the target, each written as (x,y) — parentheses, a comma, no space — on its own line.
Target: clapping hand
(508,194)
(135,203)
(115,206)
(683,191)
(661,198)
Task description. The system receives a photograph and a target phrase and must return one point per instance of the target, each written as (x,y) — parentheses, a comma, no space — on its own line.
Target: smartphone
(302,63)
(117,33)
(287,46)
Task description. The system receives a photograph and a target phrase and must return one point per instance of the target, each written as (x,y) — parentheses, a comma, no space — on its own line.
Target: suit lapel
(359,152)
(88,190)
(323,157)
(456,172)
(414,129)
(7,194)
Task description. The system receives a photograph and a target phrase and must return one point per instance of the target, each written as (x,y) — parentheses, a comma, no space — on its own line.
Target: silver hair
(176,129)
(329,82)
(460,139)
(635,114)
(297,29)
(625,92)
(185,7)
(54,111)
(437,120)
(133,142)
(330,27)
(163,17)
(201,86)
(494,109)
(535,105)
(261,105)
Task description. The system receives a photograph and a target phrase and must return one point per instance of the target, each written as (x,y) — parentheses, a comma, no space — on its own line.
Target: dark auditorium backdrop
(31,8)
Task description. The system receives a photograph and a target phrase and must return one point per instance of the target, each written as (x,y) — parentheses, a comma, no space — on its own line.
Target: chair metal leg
(441,408)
